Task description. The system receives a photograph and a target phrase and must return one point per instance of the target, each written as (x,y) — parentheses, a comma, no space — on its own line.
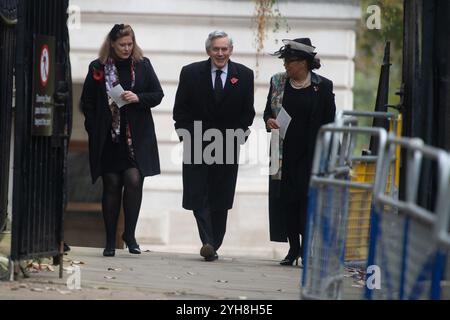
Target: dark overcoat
(94,104)
(195,102)
(323,110)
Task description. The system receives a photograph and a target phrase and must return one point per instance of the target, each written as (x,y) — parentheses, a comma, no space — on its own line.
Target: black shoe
(208,252)
(132,246)
(66,247)
(109,252)
(289,260)
(292,256)
(212,258)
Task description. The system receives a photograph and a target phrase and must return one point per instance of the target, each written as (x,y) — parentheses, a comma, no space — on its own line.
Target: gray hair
(217,34)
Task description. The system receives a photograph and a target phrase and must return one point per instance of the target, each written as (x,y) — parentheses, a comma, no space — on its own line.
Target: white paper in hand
(283,120)
(115,94)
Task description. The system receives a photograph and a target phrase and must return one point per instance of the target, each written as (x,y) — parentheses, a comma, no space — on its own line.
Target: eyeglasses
(289,60)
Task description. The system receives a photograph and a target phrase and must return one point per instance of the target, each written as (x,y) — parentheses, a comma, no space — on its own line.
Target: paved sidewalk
(159,275)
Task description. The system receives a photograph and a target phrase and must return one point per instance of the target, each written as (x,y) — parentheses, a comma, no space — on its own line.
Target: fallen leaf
(63,291)
(114,269)
(77,262)
(361,282)
(191,273)
(23,285)
(37,289)
(222,281)
(109,277)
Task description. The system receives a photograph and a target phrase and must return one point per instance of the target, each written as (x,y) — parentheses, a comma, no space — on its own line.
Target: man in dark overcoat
(213,111)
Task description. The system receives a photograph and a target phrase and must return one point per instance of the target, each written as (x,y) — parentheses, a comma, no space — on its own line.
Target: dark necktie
(218,87)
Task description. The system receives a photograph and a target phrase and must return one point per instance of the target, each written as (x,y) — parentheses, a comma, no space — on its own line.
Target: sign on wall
(43,85)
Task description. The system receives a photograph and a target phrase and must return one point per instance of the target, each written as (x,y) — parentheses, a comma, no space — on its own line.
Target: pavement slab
(159,276)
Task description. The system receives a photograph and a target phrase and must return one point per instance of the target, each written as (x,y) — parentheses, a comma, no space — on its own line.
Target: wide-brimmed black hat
(300,47)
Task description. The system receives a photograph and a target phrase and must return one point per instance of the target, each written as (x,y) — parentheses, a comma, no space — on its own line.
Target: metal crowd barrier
(360,200)
(409,244)
(395,120)
(328,205)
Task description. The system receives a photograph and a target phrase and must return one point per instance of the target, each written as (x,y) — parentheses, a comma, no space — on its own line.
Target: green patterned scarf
(278,83)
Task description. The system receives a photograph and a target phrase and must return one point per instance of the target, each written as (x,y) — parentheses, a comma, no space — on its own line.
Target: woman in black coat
(309,100)
(122,141)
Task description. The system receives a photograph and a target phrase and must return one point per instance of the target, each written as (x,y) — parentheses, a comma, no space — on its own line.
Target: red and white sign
(44,65)
(43,85)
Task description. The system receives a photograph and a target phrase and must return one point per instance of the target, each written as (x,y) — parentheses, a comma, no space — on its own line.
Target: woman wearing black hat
(122,140)
(309,100)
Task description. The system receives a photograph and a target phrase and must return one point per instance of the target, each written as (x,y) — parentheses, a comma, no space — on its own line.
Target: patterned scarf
(111,80)
(278,85)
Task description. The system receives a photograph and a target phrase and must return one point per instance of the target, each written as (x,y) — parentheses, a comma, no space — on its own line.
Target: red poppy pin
(98,75)
(234,80)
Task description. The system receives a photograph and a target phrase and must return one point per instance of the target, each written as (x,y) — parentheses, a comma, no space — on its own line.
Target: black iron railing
(40,161)
(8,20)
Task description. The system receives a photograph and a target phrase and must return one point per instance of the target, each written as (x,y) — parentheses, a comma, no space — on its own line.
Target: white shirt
(223,75)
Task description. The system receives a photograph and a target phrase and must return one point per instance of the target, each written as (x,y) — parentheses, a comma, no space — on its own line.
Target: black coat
(94,104)
(323,110)
(195,102)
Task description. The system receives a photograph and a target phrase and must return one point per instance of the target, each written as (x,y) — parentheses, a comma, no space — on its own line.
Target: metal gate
(40,160)
(8,20)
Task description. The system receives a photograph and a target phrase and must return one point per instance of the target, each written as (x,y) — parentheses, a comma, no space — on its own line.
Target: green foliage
(370,49)
(369,57)
(371,41)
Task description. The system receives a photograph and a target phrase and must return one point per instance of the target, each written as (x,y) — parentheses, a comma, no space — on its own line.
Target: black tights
(296,219)
(130,181)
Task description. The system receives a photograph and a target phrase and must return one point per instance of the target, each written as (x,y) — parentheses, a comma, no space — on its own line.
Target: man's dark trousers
(211,226)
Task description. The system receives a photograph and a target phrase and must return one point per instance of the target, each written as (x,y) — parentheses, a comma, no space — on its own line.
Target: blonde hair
(119,31)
